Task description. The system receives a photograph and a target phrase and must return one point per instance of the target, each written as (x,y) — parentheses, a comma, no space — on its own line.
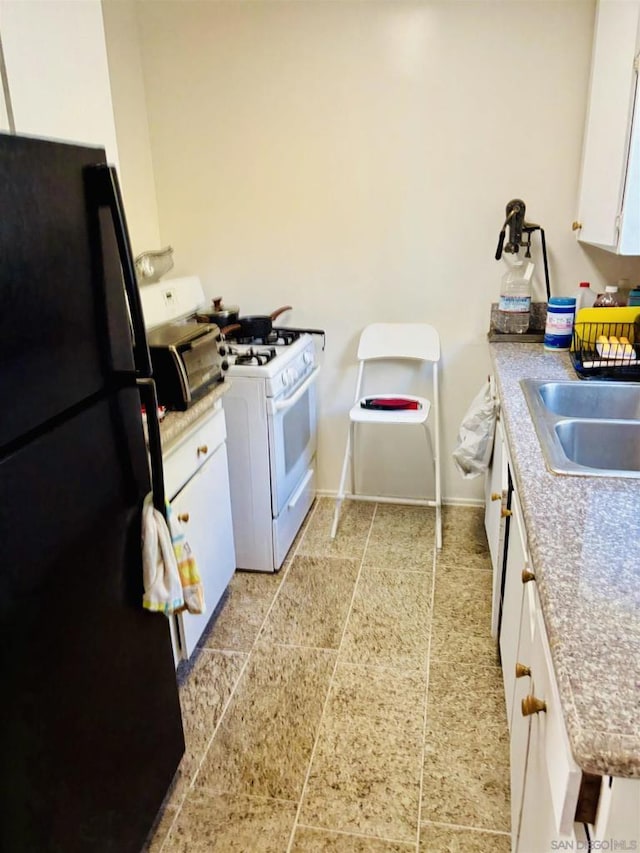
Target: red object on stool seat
(389,403)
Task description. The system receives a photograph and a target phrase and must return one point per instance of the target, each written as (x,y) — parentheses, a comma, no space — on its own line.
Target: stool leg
(436,463)
(352,463)
(436,475)
(343,478)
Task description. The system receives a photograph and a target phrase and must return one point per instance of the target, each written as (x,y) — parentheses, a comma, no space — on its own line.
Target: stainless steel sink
(608,400)
(607,445)
(587,428)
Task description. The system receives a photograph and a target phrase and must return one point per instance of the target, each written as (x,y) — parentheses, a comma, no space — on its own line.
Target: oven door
(292,439)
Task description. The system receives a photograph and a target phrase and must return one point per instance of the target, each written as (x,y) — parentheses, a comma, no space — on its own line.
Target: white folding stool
(379,341)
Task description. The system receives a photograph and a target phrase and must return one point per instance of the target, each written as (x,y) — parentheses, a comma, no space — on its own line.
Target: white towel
(162,585)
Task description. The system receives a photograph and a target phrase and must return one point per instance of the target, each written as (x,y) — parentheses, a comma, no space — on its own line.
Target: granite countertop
(584,542)
(175,423)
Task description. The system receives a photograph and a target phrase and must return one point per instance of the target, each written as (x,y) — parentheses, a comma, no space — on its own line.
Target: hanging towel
(162,586)
(192,588)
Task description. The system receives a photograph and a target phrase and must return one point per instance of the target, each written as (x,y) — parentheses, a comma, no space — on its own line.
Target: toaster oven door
(202,363)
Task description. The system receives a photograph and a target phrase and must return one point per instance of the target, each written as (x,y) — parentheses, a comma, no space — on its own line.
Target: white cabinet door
(205,502)
(609,204)
(552,778)
(512,601)
(520,724)
(58,77)
(494,520)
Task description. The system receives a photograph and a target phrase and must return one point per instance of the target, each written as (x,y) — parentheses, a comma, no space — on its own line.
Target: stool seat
(391,416)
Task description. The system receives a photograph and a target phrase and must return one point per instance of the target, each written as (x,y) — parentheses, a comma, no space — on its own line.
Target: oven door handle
(282,405)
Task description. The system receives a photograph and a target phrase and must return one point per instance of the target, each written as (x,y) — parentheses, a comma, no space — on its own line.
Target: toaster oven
(186,362)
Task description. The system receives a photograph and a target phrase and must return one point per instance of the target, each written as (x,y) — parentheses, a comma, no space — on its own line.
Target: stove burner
(277,337)
(253,356)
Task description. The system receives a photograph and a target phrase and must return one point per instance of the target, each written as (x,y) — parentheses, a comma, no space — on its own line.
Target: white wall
(354,159)
(57,73)
(132,129)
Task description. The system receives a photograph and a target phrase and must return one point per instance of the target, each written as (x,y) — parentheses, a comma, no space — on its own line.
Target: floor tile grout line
(329,688)
(426,691)
(189,787)
(353,834)
(462,826)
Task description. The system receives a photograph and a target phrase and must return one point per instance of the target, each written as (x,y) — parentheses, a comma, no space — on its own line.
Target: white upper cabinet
(609,204)
(57,72)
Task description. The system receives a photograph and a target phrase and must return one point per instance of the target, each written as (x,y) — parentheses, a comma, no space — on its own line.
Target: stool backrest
(399,340)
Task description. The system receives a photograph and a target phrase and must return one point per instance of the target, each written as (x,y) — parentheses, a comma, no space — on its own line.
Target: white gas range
(270,411)
(272,426)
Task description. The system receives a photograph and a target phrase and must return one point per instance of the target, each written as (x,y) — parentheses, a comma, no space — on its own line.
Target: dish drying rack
(607,350)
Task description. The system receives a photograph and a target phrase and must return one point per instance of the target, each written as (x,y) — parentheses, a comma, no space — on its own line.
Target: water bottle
(514,307)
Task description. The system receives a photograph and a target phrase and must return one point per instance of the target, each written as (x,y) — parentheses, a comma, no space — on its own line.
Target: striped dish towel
(192,588)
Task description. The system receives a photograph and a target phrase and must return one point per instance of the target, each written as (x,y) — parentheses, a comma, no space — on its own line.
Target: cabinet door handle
(496,496)
(505,513)
(527,576)
(532,705)
(522,670)
(203,450)
(184,517)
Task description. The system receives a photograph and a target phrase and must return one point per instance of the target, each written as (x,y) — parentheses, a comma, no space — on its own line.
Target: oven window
(296,431)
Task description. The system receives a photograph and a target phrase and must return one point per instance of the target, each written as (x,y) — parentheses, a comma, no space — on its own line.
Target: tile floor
(352,702)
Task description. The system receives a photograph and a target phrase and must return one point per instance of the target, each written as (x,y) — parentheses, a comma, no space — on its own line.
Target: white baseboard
(332,493)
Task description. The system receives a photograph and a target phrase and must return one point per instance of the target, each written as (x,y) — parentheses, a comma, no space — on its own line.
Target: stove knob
(286,379)
(307,357)
(224,365)
(222,350)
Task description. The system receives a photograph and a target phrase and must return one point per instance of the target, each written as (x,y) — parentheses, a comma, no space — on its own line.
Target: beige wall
(354,159)
(132,130)
(56,71)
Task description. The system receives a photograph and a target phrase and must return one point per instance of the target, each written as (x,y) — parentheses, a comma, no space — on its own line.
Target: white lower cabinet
(545,780)
(515,565)
(495,489)
(548,791)
(521,724)
(548,788)
(198,468)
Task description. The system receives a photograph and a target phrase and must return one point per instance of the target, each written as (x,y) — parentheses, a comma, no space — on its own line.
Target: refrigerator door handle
(108,194)
(147,388)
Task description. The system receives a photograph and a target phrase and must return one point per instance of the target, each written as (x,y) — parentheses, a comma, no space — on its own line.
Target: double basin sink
(587,428)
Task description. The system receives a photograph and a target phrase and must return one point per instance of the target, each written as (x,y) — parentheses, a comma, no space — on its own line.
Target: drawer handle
(184,517)
(203,449)
(532,705)
(522,670)
(505,513)
(527,576)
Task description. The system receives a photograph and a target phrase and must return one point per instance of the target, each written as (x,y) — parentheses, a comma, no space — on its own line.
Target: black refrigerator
(90,725)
